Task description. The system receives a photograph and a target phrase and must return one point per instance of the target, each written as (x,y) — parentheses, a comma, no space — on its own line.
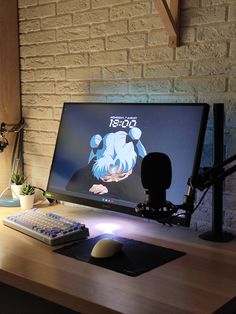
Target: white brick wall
(117,50)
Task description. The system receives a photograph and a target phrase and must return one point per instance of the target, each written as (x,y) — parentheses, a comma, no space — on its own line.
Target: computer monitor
(100,148)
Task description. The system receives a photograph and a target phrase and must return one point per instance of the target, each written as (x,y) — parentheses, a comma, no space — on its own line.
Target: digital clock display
(123,122)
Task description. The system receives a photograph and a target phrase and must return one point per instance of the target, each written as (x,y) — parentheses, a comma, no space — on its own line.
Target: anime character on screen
(113,166)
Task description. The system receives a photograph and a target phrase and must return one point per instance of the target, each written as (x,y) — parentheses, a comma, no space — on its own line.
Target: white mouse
(106,248)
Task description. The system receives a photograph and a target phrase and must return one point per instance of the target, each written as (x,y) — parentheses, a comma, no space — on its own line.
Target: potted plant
(27,196)
(17,181)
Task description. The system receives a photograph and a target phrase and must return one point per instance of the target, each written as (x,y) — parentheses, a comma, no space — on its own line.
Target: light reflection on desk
(107,227)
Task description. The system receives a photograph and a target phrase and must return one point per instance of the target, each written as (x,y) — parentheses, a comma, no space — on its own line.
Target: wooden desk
(199,282)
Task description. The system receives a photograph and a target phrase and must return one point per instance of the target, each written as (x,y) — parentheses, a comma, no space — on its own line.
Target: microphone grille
(156,171)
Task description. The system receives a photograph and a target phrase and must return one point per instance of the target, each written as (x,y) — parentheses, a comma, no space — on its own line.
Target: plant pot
(16,190)
(27,201)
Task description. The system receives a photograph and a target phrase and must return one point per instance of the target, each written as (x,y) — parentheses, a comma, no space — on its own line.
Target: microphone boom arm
(168,213)
(202,182)
(213,175)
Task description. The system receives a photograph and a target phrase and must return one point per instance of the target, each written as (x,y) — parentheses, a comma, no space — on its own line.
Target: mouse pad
(135,258)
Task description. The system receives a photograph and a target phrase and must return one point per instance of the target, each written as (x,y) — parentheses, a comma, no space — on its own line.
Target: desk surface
(199,282)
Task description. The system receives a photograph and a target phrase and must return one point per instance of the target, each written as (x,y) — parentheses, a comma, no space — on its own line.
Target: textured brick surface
(122,71)
(56,22)
(39,62)
(38,37)
(214,66)
(168,69)
(117,51)
(109,87)
(112,28)
(151,54)
(35,149)
(128,11)
(51,49)
(72,60)
(150,86)
(27,51)
(86,45)
(186,4)
(145,23)
(38,11)
(127,98)
(107,3)
(26,3)
(203,16)
(29,26)
(88,98)
(217,32)
(37,113)
(71,6)
(232,84)
(27,75)
(38,87)
(50,100)
(72,88)
(216,2)
(93,16)
(106,57)
(232,12)
(73,33)
(158,37)
(40,137)
(41,124)
(85,73)
(126,41)
(201,84)
(50,75)
(233,49)
(202,50)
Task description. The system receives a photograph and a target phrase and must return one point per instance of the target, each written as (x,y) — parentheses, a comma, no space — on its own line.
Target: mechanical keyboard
(46,227)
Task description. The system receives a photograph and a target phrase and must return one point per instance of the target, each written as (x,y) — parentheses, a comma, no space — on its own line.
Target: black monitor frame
(119,208)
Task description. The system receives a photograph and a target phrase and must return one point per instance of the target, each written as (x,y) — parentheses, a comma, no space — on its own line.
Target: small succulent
(27,189)
(18,178)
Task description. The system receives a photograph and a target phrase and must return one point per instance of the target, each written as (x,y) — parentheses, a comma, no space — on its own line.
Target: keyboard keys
(47,227)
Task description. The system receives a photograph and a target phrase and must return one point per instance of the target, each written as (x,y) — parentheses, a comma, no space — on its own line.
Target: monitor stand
(217,234)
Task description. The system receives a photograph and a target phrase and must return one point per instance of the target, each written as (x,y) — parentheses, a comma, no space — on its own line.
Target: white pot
(27,201)
(16,190)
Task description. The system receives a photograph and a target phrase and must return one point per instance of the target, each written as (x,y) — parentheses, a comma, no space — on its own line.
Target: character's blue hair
(118,151)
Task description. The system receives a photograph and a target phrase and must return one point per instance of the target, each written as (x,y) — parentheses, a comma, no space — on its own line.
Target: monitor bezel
(116,207)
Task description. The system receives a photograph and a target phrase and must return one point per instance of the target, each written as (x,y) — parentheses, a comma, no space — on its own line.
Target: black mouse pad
(228,308)
(135,258)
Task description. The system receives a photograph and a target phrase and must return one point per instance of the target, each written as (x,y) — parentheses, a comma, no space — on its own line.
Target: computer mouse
(105,248)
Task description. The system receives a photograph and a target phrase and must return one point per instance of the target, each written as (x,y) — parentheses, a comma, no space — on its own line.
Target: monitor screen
(100,148)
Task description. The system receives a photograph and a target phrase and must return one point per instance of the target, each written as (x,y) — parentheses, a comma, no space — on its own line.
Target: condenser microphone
(156,176)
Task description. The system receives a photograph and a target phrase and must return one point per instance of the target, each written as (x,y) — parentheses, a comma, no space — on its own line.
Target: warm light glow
(107,227)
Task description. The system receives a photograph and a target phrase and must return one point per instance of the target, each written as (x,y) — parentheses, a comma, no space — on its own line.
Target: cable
(201,199)
(167,220)
(47,195)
